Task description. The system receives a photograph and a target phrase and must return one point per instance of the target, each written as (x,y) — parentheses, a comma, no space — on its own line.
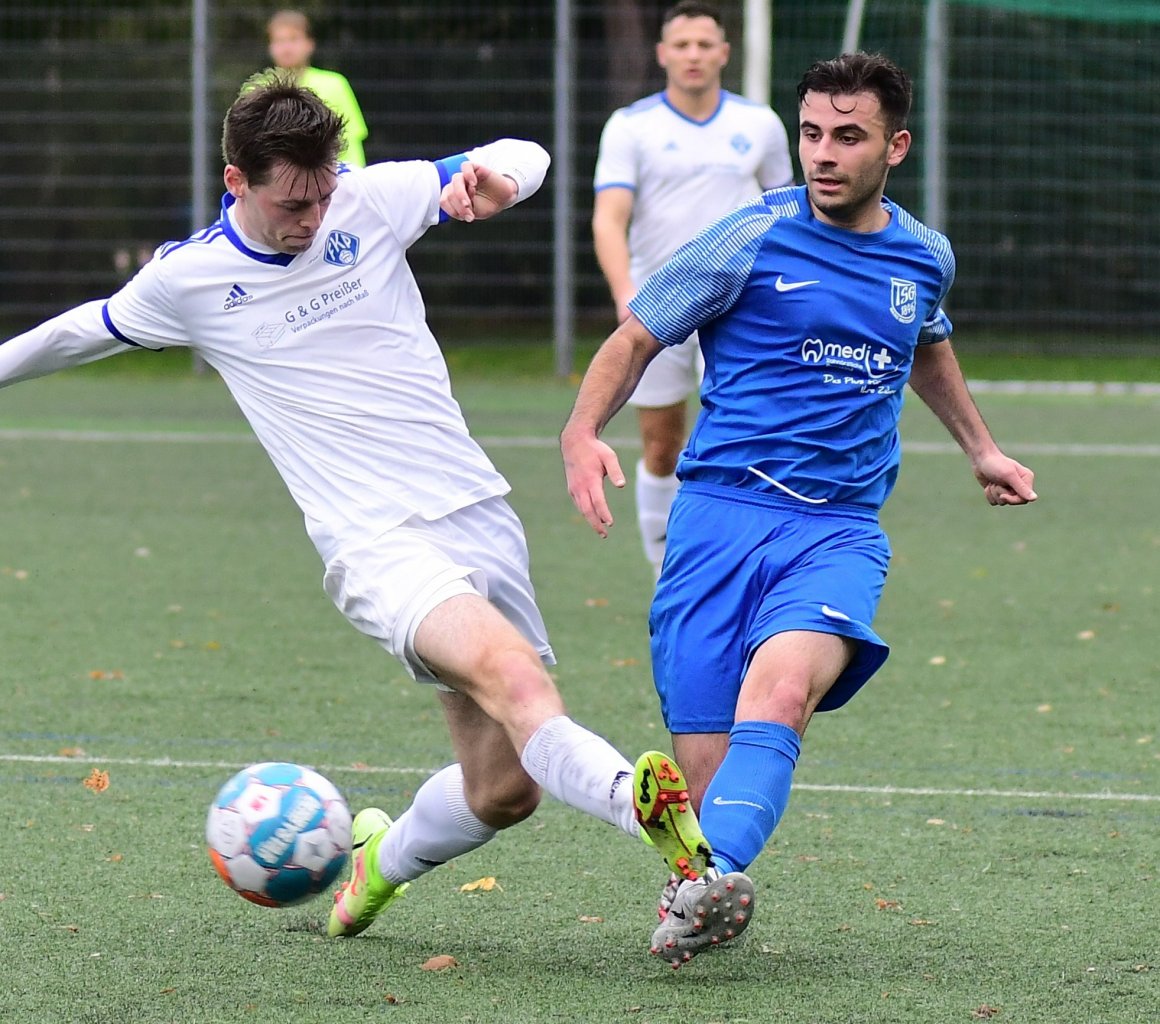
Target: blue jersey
(808,333)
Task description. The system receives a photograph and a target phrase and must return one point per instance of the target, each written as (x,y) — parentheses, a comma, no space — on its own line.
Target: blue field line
(1106,796)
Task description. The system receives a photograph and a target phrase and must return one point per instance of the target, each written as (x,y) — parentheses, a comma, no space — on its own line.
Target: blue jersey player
(815,306)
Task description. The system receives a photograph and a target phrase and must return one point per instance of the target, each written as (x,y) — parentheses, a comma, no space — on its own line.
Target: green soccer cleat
(666,817)
(359,901)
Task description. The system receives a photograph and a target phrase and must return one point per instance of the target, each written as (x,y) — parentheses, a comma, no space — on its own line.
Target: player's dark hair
(275,119)
(692,9)
(852,73)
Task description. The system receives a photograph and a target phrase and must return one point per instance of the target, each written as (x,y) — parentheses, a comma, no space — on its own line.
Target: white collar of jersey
(246,245)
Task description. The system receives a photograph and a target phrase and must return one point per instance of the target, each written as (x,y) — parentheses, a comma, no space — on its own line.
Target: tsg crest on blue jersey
(903,300)
(341,249)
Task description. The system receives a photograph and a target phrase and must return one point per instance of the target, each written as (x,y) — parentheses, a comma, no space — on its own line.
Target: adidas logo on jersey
(238,296)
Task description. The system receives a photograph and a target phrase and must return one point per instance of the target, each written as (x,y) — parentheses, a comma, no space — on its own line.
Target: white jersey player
(301,297)
(670,165)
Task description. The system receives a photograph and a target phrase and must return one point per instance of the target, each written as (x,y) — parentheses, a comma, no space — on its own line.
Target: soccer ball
(278,833)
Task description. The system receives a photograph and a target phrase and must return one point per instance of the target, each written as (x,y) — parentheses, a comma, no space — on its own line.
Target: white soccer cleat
(705,913)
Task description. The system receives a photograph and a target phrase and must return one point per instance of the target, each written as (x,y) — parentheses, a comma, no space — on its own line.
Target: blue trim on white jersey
(616,184)
(278,259)
(116,333)
(644,104)
(447,168)
(203,237)
(693,120)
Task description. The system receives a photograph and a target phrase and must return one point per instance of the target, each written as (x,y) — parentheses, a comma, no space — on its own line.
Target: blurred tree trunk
(630,31)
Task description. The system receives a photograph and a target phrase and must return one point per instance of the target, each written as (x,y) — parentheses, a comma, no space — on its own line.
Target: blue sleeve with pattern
(704,277)
(937,325)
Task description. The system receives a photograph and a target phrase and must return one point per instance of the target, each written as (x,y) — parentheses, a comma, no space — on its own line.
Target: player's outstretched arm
(494,177)
(612,376)
(938,380)
(76,337)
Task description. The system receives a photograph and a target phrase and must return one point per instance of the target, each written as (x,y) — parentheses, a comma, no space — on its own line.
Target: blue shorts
(740,568)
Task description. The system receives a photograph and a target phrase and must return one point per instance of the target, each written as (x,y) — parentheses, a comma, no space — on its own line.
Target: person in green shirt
(291,47)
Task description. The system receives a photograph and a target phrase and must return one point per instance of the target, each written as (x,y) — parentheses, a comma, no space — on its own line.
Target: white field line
(808,787)
(1140,451)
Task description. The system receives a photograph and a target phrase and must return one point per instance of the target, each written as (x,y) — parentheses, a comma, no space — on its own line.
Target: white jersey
(327,353)
(686,174)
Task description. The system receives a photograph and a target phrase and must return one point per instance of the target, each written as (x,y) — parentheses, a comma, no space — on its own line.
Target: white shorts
(671,377)
(388,587)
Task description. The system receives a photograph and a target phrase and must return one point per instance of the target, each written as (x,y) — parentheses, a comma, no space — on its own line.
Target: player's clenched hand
(476,192)
(1005,481)
(587,461)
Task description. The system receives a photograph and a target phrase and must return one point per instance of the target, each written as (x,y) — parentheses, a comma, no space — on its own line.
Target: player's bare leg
(455,811)
(749,791)
(471,647)
(497,789)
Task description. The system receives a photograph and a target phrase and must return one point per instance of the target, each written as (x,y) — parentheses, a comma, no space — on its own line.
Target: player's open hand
(476,192)
(587,461)
(1005,481)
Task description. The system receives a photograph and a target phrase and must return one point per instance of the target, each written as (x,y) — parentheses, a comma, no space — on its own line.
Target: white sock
(435,828)
(582,770)
(654,498)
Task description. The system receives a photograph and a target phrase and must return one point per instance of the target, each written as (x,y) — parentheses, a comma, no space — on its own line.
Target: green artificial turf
(976,836)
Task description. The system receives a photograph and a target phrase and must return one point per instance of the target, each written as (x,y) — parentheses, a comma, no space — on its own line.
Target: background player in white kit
(669,165)
(301,297)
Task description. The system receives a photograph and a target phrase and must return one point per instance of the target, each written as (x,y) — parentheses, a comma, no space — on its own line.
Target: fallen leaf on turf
(169,991)
(101,675)
(1044,709)
(935,821)
(212,645)
(391,998)
(1144,739)
(589,919)
(70,752)
(440,963)
(623,662)
(985,1012)
(74,928)
(596,602)
(1086,634)
(86,828)
(360,766)
(116,858)
(882,904)
(20,574)
(97,781)
(1136,968)
(481,885)
(919,922)
(938,659)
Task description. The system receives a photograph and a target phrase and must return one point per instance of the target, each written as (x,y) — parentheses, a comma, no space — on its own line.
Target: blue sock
(749,793)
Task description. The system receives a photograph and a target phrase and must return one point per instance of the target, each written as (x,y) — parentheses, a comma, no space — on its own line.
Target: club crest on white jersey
(341,249)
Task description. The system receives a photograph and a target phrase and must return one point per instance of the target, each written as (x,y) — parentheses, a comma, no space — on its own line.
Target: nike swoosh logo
(789,286)
(726,803)
(832,613)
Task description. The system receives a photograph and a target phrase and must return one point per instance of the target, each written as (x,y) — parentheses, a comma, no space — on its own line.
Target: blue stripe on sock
(749,793)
